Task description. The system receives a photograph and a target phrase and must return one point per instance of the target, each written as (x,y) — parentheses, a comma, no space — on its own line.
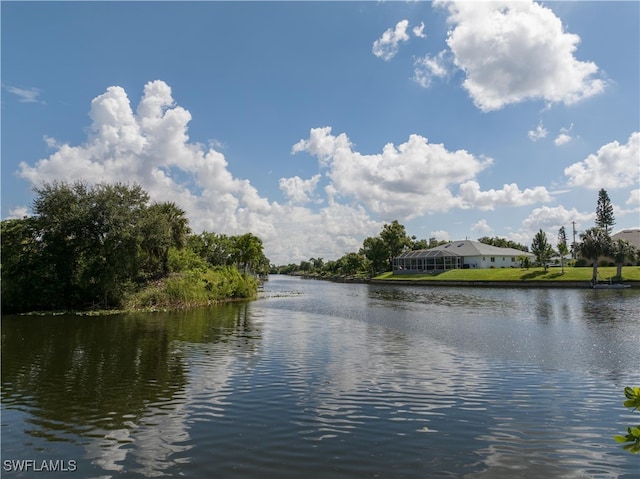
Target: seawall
(495,284)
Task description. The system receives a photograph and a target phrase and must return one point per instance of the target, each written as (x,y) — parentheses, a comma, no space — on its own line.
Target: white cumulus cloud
(634,198)
(427,67)
(418,31)
(553,218)
(512,51)
(550,220)
(298,190)
(151,147)
(613,166)
(440,235)
(539,133)
(509,195)
(562,139)
(387,45)
(403,181)
(411,179)
(482,228)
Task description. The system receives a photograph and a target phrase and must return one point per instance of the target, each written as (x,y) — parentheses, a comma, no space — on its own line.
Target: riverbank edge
(159,309)
(528,283)
(167,304)
(497,284)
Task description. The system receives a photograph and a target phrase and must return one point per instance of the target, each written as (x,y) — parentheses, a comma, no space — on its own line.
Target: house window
(493,259)
(513,260)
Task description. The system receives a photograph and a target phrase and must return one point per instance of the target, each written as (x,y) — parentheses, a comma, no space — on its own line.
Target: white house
(632,236)
(458,255)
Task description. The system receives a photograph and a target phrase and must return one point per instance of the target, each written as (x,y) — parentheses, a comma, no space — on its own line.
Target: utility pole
(573,249)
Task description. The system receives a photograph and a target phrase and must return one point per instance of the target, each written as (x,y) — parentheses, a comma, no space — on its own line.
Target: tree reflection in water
(116,383)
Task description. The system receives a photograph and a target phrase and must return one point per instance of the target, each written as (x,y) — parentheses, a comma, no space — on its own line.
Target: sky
(312,124)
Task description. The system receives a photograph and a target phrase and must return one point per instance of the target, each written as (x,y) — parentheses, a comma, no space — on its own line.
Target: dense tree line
(503,243)
(375,256)
(90,246)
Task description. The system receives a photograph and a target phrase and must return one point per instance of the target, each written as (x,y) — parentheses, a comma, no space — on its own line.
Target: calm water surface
(324,380)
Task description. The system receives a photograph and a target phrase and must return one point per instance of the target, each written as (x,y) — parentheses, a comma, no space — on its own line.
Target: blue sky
(313,124)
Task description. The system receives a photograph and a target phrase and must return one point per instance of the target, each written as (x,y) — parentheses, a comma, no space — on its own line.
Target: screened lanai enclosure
(458,255)
(426,261)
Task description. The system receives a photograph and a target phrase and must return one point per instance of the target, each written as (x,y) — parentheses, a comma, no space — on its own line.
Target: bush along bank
(194,288)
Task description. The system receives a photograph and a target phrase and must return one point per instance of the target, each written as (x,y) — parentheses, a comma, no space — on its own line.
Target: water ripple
(330,381)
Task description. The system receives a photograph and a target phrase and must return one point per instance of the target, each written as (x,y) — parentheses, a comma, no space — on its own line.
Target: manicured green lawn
(629,273)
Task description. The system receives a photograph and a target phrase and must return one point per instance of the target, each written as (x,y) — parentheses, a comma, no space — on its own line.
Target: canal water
(325,380)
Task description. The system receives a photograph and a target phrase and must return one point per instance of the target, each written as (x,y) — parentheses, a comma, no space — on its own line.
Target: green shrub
(632,438)
(200,286)
(184,260)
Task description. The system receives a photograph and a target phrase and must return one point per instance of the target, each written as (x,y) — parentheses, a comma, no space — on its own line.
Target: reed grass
(194,288)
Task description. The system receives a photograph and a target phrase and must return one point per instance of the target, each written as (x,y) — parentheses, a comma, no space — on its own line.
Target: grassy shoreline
(510,275)
(179,291)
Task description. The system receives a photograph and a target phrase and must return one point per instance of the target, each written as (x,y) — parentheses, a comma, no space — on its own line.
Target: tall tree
(604,212)
(89,239)
(541,248)
(621,251)
(60,215)
(595,243)
(376,251)
(112,258)
(563,249)
(24,268)
(165,226)
(417,244)
(216,249)
(178,223)
(395,238)
(318,263)
(248,252)
(352,263)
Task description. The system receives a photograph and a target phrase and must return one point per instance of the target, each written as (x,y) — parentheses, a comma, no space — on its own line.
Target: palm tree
(596,242)
(177,222)
(621,251)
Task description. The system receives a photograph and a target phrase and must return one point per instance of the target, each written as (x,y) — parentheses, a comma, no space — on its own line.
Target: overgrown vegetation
(193,288)
(106,246)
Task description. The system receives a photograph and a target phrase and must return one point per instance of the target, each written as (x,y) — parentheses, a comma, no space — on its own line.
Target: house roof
(465,248)
(632,236)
